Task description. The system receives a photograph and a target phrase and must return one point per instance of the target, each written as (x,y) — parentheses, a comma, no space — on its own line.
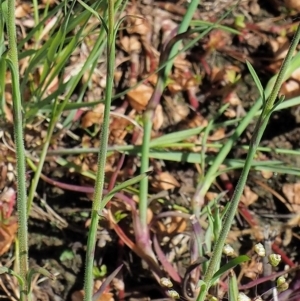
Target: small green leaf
(5,270)
(231,264)
(52,50)
(233,287)
(106,282)
(256,80)
(38,270)
(66,255)
(93,12)
(280,100)
(121,186)
(201,284)
(100,272)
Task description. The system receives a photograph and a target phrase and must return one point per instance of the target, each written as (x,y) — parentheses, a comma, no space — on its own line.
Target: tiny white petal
(243,297)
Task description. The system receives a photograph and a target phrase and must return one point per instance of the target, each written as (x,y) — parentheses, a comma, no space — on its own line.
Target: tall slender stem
(20,149)
(149,113)
(89,261)
(256,137)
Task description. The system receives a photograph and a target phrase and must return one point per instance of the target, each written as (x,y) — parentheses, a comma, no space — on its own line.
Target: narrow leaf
(106,283)
(256,80)
(231,264)
(121,186)
(93,12)
(5,270)
(233,287)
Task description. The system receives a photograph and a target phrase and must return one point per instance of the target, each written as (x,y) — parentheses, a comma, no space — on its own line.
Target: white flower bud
(166,282)
(212,298)
(228,250)
(243,297)
(283,287)
(274,259)
(280,280)
(260,250)
(173,294)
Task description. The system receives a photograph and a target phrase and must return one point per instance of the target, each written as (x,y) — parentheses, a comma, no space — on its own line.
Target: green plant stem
(212,172)
(42,158)
(91,244)
(148,115)
(20,150)
(261,124)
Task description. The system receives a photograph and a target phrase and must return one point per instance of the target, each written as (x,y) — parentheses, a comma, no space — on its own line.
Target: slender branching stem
(260,127)
(20,149)
(89,261)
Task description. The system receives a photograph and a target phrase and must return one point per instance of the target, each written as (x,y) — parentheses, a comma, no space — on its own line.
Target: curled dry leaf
(7,235)
(94,116)
(158,119)
(176,110)
(217,135)
(293,4)
(267,174)
(292,193)
(138,24)
(217,40)
(22,10)
(280,47)
(248,197)
(253,269)
(131,43)
(291,88)
(164,181)
(140,96)
(8,113)
(9,226)
(105,296)
(170,226)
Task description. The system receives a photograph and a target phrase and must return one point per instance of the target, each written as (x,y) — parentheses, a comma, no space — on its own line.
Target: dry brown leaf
(172,225)
(8,114)
(7,235)
(217,40)
(22,10)
(248,197)
(293,4)
(49,2)
(131,43)
(267,174)
(140,96)
(253,269)
(79,296)
(233,99)
(94,116)
(164,181)
(138,24)
(176,109)
(291,88)
(210,196)
(217,135)
(280,47)
(292,193)
(230,113)
(158,119)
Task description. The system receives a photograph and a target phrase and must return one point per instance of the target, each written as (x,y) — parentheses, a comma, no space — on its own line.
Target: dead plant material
(170,226)
(94,116)
(164,181)
(140,96)
(292,193)
(293,4)
(248,197)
